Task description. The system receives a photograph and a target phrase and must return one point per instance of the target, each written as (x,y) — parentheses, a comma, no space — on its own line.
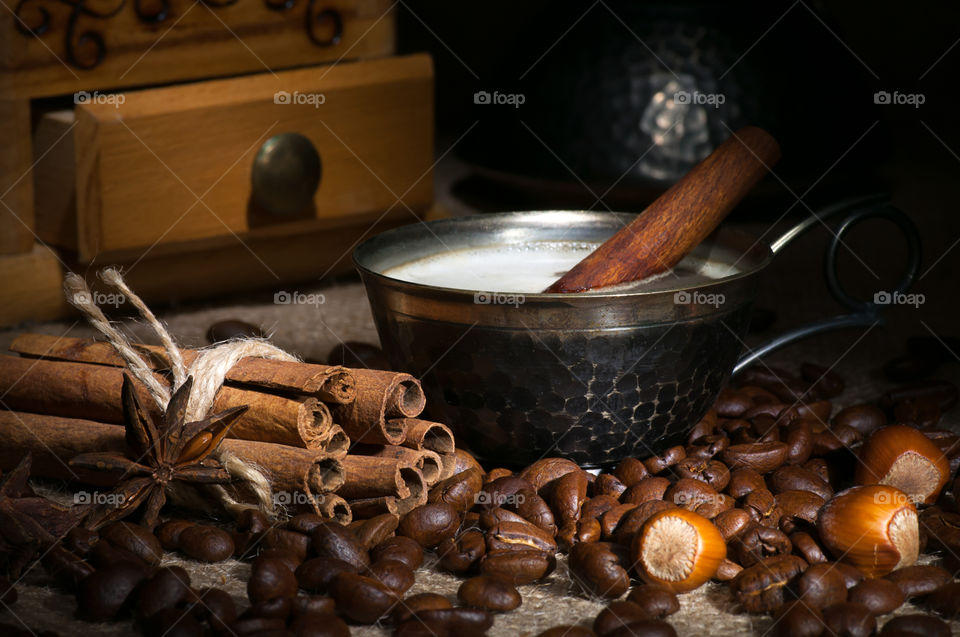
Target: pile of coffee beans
(752,499)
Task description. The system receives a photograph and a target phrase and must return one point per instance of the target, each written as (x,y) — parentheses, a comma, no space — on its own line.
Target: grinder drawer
(268,155)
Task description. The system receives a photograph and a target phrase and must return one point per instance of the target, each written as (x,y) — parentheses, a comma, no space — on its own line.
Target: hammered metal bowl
(593,377)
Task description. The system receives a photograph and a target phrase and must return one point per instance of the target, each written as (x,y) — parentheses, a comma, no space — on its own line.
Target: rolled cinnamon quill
(423,434)
(53,441)
(82,390)
(371,476)
(328,383)
(384,401)
(428,462)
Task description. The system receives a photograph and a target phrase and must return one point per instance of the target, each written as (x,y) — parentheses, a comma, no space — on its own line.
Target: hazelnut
(873,527)
(678,549)
(904,458)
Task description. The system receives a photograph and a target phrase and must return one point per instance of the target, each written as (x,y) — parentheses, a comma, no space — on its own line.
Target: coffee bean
(418,603)
(489,592)
(336,541)
(600,568)
(691,494)
(134,538)
(543,473)
(617,615)
(292,561)
(731,523)
(836,438)
(402,549)
(534,509)
(798,506)
(305,523)
(713,472)
(732,403)
(644,628)
(708,447)
(762,507)
(670,457)
(946,600)
(881,596)
(362,599)
(102,595)
(317,574)
(761,587)
(276,608)
(798,436)
(652,488)
(459,490)
(296,543)
(375,530)
(319,625)
(919,580)
(312,604)
(502,472)
(459,554)
(743,481)
(446,622)
(520,567)
(611,519)
(567,495)
(656,601)
(216,606)
(519,535)
(762,457)
(806,547)
(169,533)
(798,619)
(230,329)
(430,524)
(609,485)
(820,586)
(793,478)
(849,619)
(916,624)
(851,574)
(583,530)
(258,626)
(757,543)
(630,471)
(727,570)
(206,543)
(168,587)
(864,418)
(104,553)
(395,575)
(270,578)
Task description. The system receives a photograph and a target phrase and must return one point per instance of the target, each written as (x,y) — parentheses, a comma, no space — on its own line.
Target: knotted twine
(208,370)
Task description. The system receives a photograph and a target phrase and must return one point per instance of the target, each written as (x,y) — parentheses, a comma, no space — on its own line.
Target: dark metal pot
(594,377)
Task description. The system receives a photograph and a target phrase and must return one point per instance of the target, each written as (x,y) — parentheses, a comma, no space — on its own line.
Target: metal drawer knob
(285,174)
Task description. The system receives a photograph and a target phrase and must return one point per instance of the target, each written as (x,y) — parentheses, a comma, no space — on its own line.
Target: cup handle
(865,312)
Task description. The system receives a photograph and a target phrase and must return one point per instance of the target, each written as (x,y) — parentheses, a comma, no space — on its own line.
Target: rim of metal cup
(596,309)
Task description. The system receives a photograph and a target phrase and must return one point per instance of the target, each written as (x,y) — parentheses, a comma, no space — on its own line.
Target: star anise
(158,454)
(29,524)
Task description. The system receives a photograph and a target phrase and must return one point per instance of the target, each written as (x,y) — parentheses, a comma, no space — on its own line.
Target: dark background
(808,73)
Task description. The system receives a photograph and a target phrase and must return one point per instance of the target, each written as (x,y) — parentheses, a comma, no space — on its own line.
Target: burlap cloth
(311,331)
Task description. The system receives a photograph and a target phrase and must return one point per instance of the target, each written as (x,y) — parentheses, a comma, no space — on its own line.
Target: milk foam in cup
(531,267)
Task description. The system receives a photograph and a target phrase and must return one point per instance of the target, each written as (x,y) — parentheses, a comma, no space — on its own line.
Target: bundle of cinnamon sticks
(346,442)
